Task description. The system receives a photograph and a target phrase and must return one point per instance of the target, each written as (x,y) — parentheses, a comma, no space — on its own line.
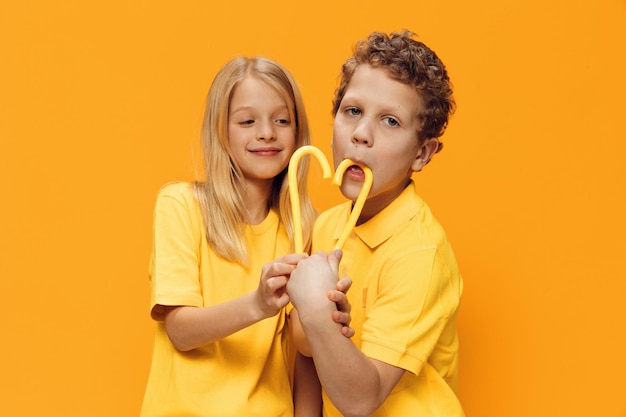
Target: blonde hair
(221,194)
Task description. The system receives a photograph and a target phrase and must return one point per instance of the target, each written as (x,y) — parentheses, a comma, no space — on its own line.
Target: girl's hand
(271,294)
(310,283)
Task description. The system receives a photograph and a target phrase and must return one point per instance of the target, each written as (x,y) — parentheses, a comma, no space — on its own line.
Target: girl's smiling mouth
(265,151)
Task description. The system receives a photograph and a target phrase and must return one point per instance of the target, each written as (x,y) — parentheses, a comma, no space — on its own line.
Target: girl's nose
(265,131)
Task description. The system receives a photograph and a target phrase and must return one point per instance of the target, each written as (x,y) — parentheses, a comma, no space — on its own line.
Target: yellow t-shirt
(245,374)
(405,297)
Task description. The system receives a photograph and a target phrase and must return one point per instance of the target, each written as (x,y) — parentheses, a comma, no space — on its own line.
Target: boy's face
(377,125)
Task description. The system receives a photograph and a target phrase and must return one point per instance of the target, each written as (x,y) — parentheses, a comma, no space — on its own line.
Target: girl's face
(377,125)
(260,130)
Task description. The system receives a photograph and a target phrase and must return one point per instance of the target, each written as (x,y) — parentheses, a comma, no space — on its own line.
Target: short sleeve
(174,265)
(414,302)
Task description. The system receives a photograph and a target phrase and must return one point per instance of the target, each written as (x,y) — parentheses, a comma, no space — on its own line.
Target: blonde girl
(221,255)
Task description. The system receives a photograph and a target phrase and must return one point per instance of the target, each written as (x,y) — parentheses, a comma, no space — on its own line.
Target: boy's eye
(390,121)
(353,111)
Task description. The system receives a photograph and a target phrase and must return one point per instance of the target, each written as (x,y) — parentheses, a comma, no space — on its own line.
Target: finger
(344,284)
(276,282)
(347,331)
(333,260)
(341,300)
(283,265)
(292,258)
(342,317)
(282,301)
(336,296)
(278,268)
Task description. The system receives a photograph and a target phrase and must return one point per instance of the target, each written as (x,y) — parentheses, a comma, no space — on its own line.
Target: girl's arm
(307,394)
(307,391)
(191,327)
(341,315)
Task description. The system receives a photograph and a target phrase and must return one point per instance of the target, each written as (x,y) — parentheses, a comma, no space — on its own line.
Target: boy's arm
(356,384)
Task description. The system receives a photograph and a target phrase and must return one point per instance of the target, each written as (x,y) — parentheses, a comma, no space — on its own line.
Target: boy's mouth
(355,172)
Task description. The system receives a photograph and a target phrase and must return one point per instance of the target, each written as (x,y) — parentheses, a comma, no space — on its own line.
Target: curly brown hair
(411,62)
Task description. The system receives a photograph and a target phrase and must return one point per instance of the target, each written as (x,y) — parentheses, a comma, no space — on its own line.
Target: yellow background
(101,104)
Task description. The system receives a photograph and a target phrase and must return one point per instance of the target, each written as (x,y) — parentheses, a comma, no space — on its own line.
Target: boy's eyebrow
(350,96)
(396,110)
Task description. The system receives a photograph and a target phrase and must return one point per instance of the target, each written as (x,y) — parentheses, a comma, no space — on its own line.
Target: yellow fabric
(405,297)
(245,374)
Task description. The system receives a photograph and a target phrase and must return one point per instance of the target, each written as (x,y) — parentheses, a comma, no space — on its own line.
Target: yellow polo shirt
(405,299)
(245,374)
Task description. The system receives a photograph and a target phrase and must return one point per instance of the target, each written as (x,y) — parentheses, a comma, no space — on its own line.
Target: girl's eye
(390,121)
(246,122)
(283,122)
(353,111)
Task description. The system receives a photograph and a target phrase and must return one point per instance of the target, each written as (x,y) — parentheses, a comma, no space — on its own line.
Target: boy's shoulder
(336,212)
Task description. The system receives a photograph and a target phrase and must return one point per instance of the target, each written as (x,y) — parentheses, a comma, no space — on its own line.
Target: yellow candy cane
(360,201)
(293,188)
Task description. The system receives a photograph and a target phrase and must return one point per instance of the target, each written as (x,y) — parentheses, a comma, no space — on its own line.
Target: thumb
(333,260)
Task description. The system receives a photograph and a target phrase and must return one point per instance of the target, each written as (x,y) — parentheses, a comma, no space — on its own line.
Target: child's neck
(376,204)
(256,200)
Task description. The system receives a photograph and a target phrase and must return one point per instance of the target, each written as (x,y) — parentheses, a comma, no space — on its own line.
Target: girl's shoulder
(176,200)
(177,193)
(176,189)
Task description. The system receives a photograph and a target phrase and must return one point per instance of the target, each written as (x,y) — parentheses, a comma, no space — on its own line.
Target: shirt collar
(391,219)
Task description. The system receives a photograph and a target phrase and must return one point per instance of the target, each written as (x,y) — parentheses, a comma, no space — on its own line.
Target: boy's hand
(342,315)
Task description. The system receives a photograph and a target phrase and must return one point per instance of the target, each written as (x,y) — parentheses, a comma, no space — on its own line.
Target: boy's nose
(362,134)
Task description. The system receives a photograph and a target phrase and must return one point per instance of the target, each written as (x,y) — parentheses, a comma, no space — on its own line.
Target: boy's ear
(424,153)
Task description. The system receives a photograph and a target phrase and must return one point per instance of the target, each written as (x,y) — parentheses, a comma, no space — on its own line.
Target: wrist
(316,311)
(258,309)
